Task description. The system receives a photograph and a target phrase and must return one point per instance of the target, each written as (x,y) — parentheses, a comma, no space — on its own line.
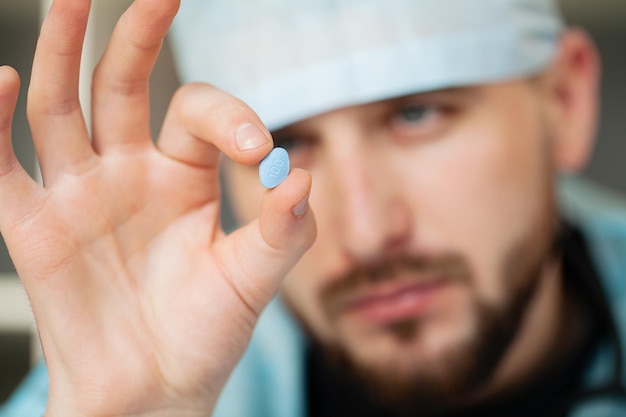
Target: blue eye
(412,121)
(415,113)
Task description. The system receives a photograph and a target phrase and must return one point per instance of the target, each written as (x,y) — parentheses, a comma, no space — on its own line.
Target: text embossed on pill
(274,168)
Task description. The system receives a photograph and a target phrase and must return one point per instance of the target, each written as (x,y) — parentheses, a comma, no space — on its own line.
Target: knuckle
(195,100)
(124,84)
(186,91)
(51,105)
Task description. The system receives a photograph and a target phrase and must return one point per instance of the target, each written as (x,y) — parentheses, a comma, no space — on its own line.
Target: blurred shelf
(15,313)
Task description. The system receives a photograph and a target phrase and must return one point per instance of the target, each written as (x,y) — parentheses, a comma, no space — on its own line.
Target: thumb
(257,257)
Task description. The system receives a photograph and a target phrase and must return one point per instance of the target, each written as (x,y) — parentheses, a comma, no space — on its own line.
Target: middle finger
(120,107)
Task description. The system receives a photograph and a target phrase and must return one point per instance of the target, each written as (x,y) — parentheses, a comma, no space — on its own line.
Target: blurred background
(605,20)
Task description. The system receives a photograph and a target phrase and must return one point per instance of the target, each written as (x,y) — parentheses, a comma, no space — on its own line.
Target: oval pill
(274,168)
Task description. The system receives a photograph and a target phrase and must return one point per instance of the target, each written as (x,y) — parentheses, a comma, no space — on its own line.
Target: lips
(394,289)
(388,303)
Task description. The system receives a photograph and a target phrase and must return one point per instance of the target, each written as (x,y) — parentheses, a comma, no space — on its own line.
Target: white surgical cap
(292,59)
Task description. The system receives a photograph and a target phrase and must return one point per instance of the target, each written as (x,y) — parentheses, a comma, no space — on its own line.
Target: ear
(572,88)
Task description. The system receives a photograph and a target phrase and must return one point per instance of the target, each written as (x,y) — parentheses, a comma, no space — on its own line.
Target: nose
(372,218)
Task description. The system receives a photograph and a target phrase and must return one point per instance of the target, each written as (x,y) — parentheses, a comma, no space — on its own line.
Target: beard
(449,378)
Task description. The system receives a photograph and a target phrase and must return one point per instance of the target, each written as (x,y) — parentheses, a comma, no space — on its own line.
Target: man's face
(435,213)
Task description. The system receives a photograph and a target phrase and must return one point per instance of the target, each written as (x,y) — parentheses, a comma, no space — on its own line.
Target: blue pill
(274,168)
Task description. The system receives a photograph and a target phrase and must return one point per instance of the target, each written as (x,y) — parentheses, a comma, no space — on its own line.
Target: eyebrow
(464,93)
(456,92)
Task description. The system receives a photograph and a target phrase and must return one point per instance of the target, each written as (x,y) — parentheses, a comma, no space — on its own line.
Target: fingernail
(299,209)
(249,136)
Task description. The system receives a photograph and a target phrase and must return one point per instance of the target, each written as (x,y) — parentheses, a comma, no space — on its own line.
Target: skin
(452,183)
(466,173)
(144,306)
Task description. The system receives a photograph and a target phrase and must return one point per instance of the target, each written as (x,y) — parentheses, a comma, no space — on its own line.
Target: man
(446,278)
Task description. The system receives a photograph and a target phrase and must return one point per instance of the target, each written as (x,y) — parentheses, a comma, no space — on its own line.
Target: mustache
(421,269)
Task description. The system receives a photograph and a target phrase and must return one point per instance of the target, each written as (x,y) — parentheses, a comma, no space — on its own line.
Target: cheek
(300,289)
(484,192)
(303,284)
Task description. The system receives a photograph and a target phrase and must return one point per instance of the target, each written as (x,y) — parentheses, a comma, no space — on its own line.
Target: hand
(143,304)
